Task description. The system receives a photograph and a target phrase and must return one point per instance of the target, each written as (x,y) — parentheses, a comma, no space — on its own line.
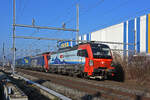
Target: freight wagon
(38,62)
(23,62)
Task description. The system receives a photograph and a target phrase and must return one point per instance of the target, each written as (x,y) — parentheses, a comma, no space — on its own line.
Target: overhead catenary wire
(86,10)
(111,10)
(22,11)
(69,11)
(19,15)
(40,27)
(32,47)
(108,23)
(116,7)
(94,6)
(56,39)
(24,7)
(89,10)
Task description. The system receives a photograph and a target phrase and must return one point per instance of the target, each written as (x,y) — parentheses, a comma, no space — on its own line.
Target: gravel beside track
(32,92)
(88,89)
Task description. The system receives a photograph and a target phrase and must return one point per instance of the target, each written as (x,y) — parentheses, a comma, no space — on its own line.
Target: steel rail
(62,97)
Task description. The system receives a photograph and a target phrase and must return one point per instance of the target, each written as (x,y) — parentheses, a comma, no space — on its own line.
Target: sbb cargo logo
(61,56)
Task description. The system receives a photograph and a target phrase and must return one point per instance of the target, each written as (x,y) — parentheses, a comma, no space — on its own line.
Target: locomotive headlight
(91,63)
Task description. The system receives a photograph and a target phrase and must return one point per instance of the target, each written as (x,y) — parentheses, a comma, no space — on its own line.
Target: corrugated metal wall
(132,31)
(110,34)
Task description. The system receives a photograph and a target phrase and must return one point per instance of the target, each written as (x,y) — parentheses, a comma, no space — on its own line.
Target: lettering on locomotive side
(71,55)
(64,44)
(26,61)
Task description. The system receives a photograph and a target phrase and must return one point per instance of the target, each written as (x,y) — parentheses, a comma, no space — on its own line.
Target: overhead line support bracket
(43,27)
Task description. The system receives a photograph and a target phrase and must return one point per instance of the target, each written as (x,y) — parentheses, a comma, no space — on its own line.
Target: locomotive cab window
(101,51)
(82,53)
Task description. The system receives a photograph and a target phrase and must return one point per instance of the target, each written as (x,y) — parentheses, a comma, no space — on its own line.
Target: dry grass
(139,68)
(136,68)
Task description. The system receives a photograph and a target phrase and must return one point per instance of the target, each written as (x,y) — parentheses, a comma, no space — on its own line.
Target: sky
(93,15)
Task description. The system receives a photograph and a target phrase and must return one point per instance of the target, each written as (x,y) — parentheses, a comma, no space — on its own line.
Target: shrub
(135,67)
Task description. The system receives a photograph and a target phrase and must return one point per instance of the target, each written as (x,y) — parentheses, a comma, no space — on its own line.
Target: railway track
(92,88)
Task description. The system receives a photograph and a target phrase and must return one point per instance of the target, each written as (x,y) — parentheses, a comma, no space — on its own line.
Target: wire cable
(86,10)
(94,6)
(23,8)
(120,20)
(68,12)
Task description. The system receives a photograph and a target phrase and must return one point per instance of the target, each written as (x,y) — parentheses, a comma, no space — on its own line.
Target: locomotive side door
(82,54)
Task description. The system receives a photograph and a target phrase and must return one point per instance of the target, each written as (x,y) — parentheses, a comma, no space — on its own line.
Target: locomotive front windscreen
(101,51)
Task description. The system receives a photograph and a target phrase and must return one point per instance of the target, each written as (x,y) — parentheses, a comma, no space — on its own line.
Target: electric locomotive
(91,59)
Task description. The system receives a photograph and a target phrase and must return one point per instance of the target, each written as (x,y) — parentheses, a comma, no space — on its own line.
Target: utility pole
(3,56)
(134,41)
(77,27)
(14,49)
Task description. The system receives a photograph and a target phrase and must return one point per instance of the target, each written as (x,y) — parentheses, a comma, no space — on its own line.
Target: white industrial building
(135,32)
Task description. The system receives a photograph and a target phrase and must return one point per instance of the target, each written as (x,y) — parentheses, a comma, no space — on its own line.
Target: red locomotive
(86,59)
